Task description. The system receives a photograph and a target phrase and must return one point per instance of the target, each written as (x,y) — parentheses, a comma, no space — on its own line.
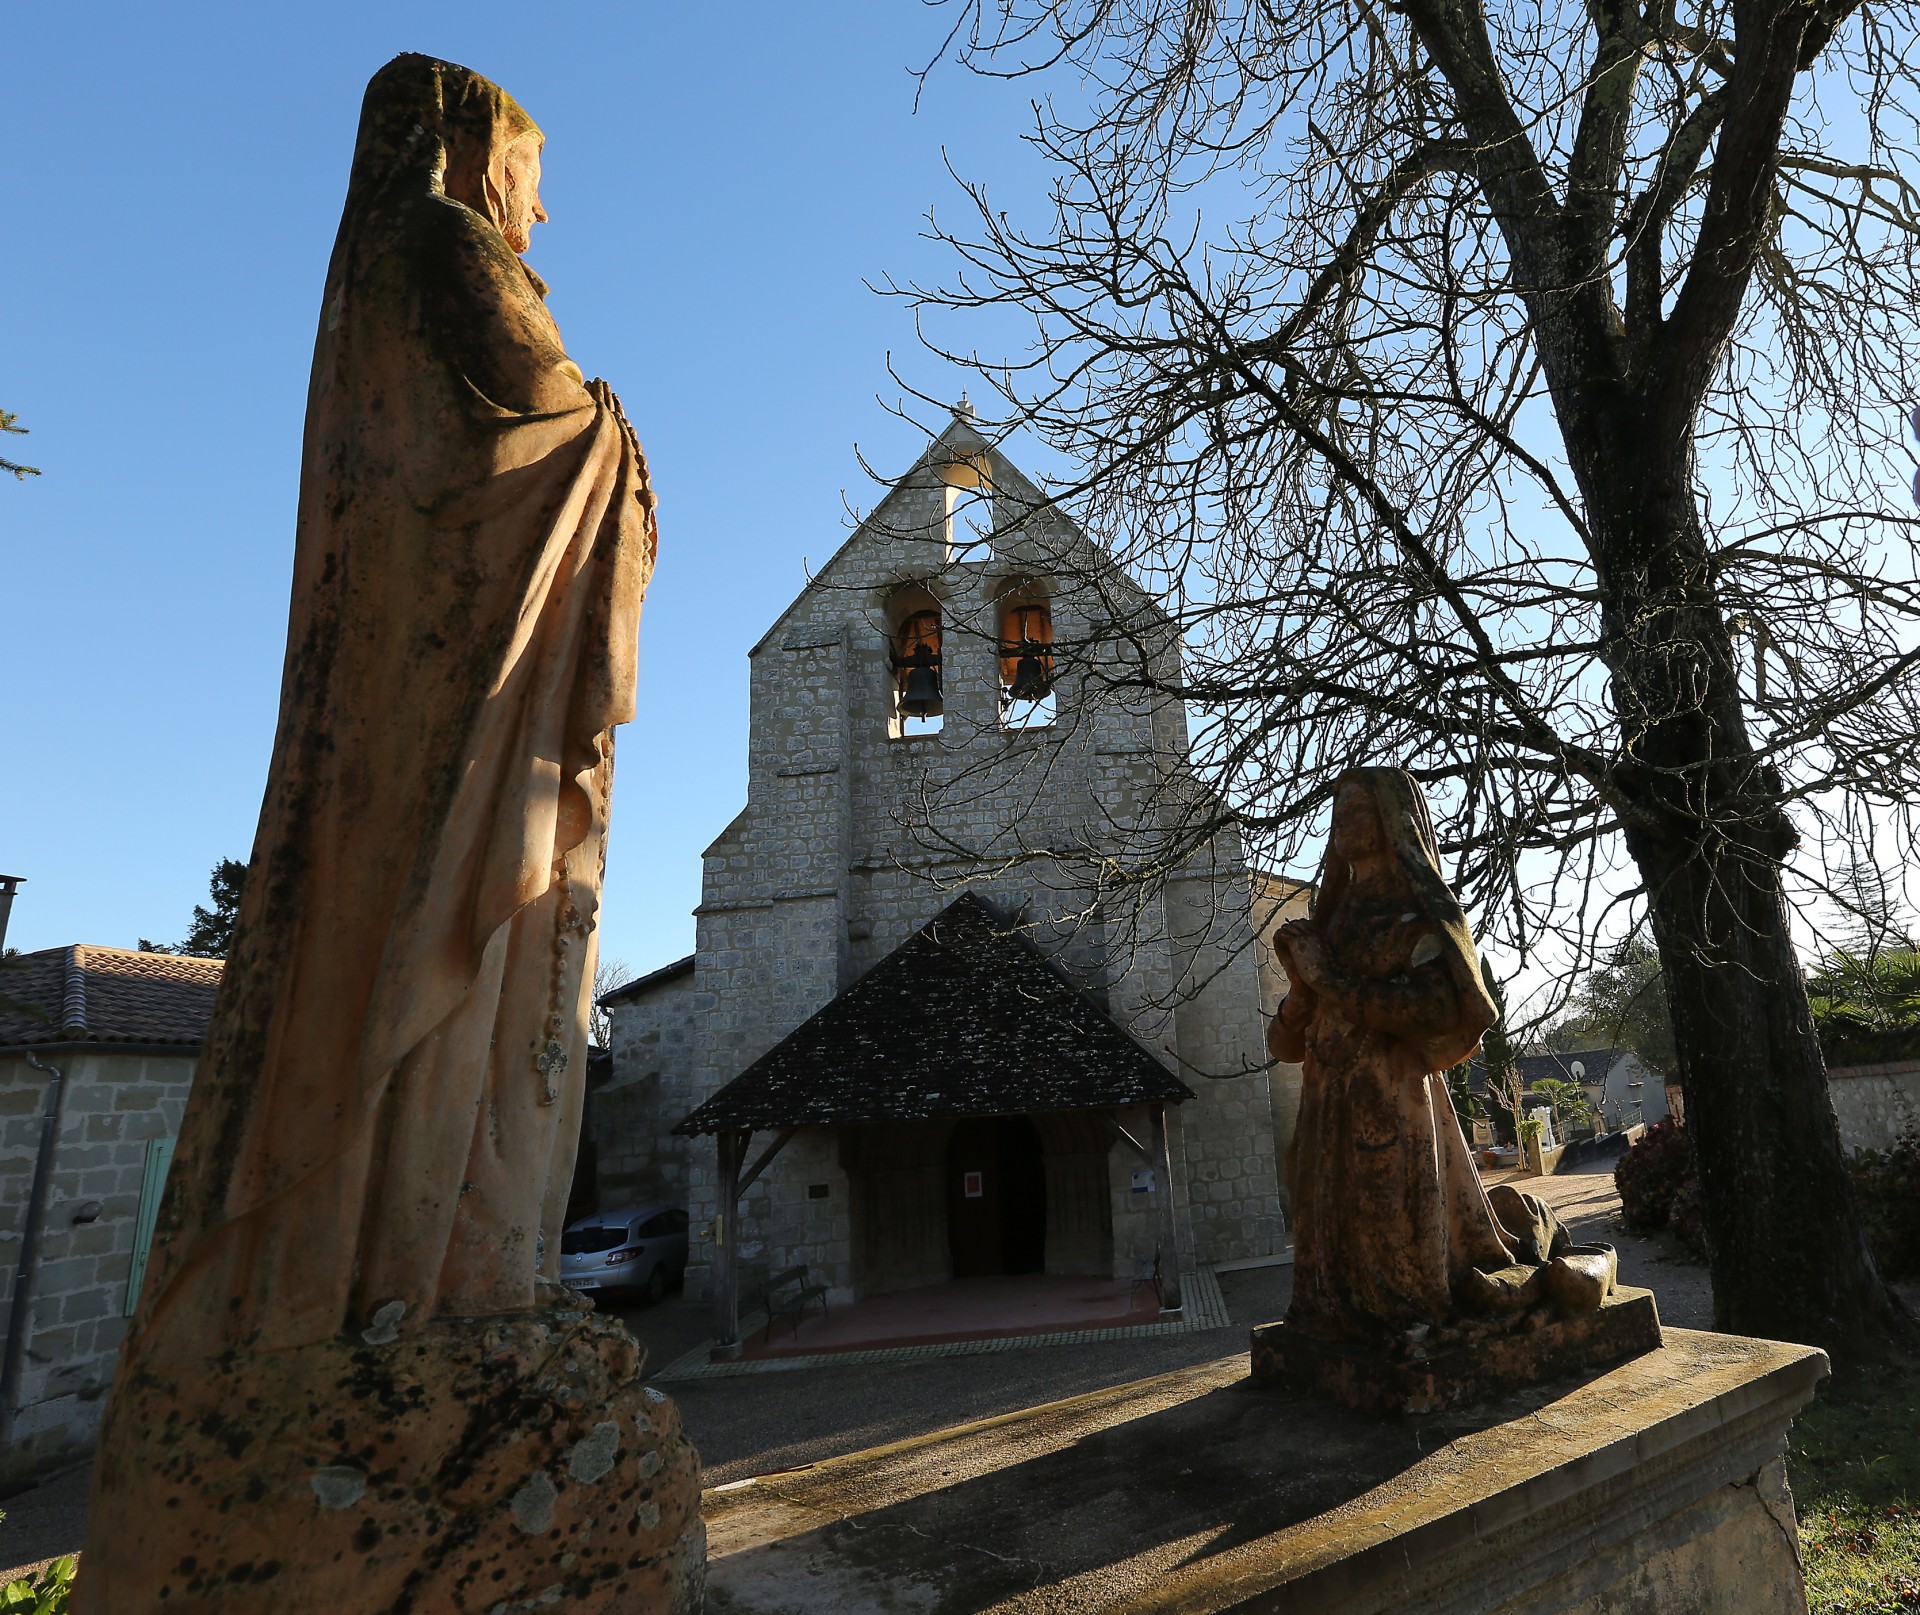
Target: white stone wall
(1875,1104)
(853,838)
(114,1104)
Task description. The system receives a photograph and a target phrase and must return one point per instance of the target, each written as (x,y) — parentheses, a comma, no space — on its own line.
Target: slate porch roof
(964,1018)
(90,995)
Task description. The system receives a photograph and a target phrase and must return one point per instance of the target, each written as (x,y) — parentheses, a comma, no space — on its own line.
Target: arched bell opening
(1027,698)
(916,663)
(967,479)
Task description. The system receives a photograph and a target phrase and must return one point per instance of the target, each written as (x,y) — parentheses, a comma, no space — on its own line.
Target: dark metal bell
(920,694)
(1030,679)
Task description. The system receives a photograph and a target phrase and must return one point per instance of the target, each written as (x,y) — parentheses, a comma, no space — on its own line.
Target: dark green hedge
(1660,1193)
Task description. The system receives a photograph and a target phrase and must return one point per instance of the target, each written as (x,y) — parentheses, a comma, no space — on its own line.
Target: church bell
(920,690)
(1030,680)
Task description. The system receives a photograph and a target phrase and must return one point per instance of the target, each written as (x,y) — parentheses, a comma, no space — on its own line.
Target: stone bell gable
(932,714)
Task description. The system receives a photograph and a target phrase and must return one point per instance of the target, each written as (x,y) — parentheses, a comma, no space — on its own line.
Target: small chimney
(9,884)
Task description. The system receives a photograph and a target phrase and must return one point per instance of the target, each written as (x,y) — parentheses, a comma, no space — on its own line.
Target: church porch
(988,1115)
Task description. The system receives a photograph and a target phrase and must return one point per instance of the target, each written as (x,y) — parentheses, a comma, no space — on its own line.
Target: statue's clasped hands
(1303,953)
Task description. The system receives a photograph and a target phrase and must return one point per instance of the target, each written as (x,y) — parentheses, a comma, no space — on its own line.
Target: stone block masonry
(1875,1104)
(117,1108)
(858,830)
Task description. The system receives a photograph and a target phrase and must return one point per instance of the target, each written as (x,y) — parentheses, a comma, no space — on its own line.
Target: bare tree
(608,975)
(1505,1085)
(1516,395)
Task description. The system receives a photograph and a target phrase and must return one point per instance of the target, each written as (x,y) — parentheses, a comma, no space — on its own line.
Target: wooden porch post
(726,1239)
(1169,1237)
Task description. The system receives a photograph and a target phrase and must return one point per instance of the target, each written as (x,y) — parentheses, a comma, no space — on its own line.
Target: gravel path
(1586,1202)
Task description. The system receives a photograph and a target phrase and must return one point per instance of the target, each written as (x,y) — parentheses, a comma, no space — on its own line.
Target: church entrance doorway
(996,1197)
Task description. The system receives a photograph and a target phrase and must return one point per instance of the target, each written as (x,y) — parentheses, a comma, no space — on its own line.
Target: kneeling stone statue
(1414,1287)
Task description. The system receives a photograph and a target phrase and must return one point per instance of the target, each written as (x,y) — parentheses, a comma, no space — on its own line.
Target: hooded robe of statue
(389,1101)
(1389,1212)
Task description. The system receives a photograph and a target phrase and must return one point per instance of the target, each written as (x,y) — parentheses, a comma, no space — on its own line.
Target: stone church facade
(937,714)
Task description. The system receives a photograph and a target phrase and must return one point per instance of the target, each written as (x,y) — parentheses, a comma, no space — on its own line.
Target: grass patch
(1854,1463)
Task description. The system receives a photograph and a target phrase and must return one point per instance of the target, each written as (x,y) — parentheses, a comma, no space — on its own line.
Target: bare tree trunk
(1708,830)
(1783,1230)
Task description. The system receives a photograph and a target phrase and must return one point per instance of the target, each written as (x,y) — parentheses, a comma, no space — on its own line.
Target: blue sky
(722,181)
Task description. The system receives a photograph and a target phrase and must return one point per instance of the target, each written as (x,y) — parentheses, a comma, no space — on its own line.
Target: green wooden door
(159,1157)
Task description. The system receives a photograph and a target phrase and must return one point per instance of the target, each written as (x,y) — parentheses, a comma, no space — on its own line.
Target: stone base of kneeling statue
(1556,1312)
(1415,1288)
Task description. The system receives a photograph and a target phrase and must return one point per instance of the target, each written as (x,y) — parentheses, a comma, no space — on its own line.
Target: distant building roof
(1272,882)
(93,995)
(1595,1066)
(964,1018)
(641,985)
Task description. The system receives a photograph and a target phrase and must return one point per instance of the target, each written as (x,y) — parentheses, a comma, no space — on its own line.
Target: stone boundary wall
(114,1105)
(637,1158)
(1875,1104)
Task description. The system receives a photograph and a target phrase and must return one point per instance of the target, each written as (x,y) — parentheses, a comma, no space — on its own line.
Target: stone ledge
(1652,1487)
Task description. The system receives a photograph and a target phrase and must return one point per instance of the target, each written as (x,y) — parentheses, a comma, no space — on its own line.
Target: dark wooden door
(996,1197)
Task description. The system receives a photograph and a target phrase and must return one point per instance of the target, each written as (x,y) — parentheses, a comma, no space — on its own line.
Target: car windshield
(584,1241)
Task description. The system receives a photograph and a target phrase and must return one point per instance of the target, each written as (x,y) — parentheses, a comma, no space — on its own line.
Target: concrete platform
(1655,1487)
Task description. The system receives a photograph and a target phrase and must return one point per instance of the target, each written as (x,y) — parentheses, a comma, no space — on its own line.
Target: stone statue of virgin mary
(384,1121)
(341,1377)
(1386,994)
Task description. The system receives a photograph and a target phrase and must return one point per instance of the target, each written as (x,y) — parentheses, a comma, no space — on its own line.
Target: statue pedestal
(1626,1325)
(1656,1488)
(491,1465)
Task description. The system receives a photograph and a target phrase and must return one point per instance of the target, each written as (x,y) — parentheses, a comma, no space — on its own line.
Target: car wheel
(656,1290)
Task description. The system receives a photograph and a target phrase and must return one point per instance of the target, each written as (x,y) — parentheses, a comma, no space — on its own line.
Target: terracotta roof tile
(87,994)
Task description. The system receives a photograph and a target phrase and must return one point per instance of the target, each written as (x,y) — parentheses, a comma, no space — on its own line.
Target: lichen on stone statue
(1413,1285)
(352,1332)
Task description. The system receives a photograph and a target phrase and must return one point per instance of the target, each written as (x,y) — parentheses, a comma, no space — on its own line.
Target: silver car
(642,1250)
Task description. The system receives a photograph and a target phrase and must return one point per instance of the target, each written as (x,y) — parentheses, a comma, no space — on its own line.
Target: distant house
(1621,1091)
(123,1031)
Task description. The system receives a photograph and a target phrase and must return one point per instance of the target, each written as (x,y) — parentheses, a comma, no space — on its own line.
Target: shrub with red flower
(1659,1189)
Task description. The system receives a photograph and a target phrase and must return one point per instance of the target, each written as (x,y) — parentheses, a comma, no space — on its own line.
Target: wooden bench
(1146,1270)
(788,1294)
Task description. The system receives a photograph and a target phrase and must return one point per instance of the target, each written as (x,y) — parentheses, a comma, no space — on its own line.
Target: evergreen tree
(20,472)
(1622,1004)
(212,931)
